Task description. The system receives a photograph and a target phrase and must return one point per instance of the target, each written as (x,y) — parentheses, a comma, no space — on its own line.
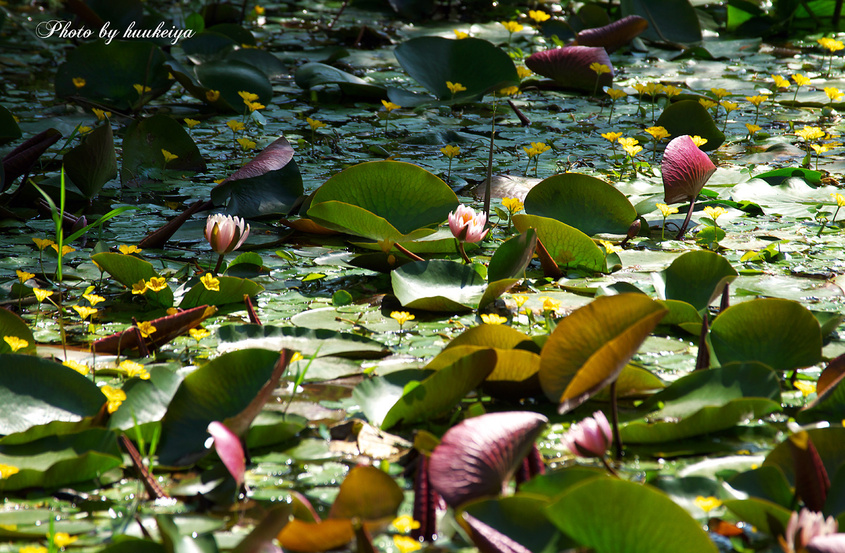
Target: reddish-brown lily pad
(686,169)
(615,35)
(167,328)
(569,67)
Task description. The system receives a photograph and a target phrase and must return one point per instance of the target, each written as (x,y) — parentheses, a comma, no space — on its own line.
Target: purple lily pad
(615,35)
(686,169)
(478,456)
(570,66)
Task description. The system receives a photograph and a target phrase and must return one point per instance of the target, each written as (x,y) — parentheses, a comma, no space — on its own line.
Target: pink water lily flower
(807,530)
(589,438)
(229,449)
(467,225)
(225,233)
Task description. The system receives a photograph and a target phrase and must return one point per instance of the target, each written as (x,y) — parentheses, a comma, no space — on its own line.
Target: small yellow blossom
(509,91)
(15,343)
(719,92)
(32,549)
(610,247)
(615,93)
(199,333)
(78,82)
(191,122)
(513,205)
(246,143)
(708,104)
(820,148)
(523,72)
(210,282)
(640,88)
(236,126)
(840,199)
(752,128)
(493,319)
(729,106)
(806,388)
(168,157)
(780,82)
(77,366)
(536,149)
(84,311)
(707,504)
(101,115)
(141,89)
(405,524)
(460,34)
(450,151)
(550,305)
(212,95)
(93,299)
(127,250)
(390,106)
(157,284)
(139,287)
(147,329)
(698,141)
(84,129)
(630,146)
(714,212)
(314,124)
(538,16)
(406,544)
(65,248)
(454,88)
(801,80)
(612,136)
(667,210)
(810,133)
(248,96)
(23,276)
(599,68)
(134,370)
(42,243)
(259,10)
(512,26)
(255,106)
(653,89)
(670,90)
(172,310)
(63,539)
(658,133)
(41,294)
(8,470)
(833,93)
(520,300)
(114,396)
(756,100)
(832,45)
(401,317)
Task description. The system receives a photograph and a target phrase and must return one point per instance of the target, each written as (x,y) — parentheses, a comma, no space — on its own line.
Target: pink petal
(229,449)
(686,169)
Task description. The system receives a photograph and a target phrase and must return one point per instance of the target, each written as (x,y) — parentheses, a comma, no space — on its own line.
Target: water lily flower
(141,89)
(23,276)
(467,225)
(800,80)
(752,129)
(805,527)
(406,544)
(508,91)
(719,93)
(666,211)
(140,287)
(156,284)
(831,44)
(15,343)
(247,96)
(114,397)
(405,523)
(806,388)
(538,16)
(41,294)
(78,82)
(235,125)
(512,26)
(833,93)
(128,250)
(810,133)
(77,366)
(390,106)
(707,104)
(550,305)
(314,123)
(523,72)
(698,141)
(229,449)
(42,243)
(63,539)
(255,106)
(225,233)
(93,299)
(714,212)
(134,369)
(168,157)
(454,88)
(615,93)
(84,311)
(101,115)
(246,144)
(589,438)
(513,205)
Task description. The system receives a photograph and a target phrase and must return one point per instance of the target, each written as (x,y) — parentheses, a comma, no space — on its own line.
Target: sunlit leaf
(232,290)
(307,341)
(697,278)
(567,246)
(438,285)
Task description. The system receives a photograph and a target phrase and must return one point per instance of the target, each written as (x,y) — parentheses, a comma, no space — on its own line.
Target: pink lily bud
(467,225)
(803,528)
(589,438)
(229,449)
(225,233)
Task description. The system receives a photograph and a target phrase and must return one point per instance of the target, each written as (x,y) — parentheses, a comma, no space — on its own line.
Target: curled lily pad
(697,278)
(686,169)
(566,245)
(569,67)
(166,329)
(477,457)
(615,35)
(439,285)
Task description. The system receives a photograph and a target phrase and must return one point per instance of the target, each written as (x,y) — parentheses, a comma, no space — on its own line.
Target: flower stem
(463,252)
(217,267)
(686,221)
(489,184)
(614,420)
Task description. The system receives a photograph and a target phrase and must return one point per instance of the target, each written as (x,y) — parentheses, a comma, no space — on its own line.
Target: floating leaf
(581,201)
(644,520)
(315,74)
(767,482)
(19,161)
(321,342)
(512,257)
(439,285)
(232,290)
(764,515)
(569,67)
(146,400)
(567,246)
(589,348)
(92,163)
(377,395)
(13,326)
(229,77)
(167,328)
(829,443)
(614,35)
(9,129)
(477,457)
(668,20)
(129,270)
(779,333)
(829,404)
(514,375)
(696,277)
(367,493)
(778,176)
(145,139)
(691,118)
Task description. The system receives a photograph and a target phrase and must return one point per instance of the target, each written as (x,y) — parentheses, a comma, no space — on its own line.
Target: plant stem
(686,221)
(219,263)
(489,184)
(463,252)
(614,416)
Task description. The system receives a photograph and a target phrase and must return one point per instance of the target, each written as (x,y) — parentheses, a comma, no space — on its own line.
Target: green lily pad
(146,400)
(309,342)
(315,74)
(589,348)
(512,257)
(778,176)
(230,77)
(143,144)
(581,201)
(696,277)
(656,525)
(683,315)
(92,163)
(232,290)
(782,334)
(9,129)
(555,482)
(519,517)
(476,64)
(13,326)
(764,515)
(794,197)
(439,285)
(828,406)
(378,395)
(129,270)
(513,377)
(568,246)
(668,20)
(766,482)
(690,117)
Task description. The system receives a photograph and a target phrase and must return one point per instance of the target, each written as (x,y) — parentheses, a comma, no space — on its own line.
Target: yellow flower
(707,504)
(670,90)
(127,250)
(719,92)
(246,143)
(254,106)
(658,133)
(210,282)
(172,310)
(708,104)
(15,343)
(401,317)
(454,88)
(599,68)
(840,199)
(729,106)
(714,212)
(810,133)
(84,129)
(8,470)
(390,106)
(101,115)
(752,128)
(513,205)
(523,72)
(23,276)
(780,82)
(550,305)
(615,93)
(212,95)
(406,544)
(84,311)
(314,124)
(32,549)
(630,146)
(610,247)
(405,524)
(235,125)
(460,34)
(78,82)
(168,156)
(520,300)
(833,93)
(801,80)
(512,26)
(42,243)
(450,151)
(538,16)
(536,149)
(667,210)
(134,369)
(191,122)
(820,148)
(832,45)
(157,284)
(248,96)
(141,89)
(199,333)
(77,366)
(493,319)
(652,89)
(259,10)
(806,388)
(93,299)
(698,141)
(146,328)
(612,136)
(509,91)
(41,294)
(640,88)
(139,287)
(65,249)
(756,100)
(114,396)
